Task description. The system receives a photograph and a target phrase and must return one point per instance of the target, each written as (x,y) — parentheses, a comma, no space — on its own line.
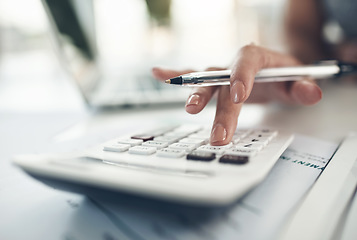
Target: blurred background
(130,34)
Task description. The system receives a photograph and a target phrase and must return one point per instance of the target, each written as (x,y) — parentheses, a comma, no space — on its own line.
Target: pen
(324,69)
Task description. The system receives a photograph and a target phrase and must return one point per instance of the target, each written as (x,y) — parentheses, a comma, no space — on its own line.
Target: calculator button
(131,142)
(142,150)
(160,131)
(183,146)
(256,146)
(168,139)
(211,149)
(242,152)
(268,136)
(143,137)
(196,142)
(201,156)
(171,153)
(201,135)
(265,130)
(234,159)
(270,132)
(156,144)
(178,135)
(263,141)
(262,137)
(116,147)
(188,129)
(241,133)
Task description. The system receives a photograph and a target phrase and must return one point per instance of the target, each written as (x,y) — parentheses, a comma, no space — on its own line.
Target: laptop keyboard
(138,90)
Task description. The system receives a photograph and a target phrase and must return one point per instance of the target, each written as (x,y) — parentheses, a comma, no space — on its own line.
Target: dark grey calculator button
(234,159)
(201,156)
(143,137)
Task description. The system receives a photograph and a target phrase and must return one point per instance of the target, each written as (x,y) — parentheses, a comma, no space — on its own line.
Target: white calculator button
(201,139)
(156,144)
(269,132)
(264,137)
(252,139)
(171,153)
(242,132)
(142,150)
(116,147)
(177,135)
(219,150)
(131,142)
(183,146)
(200,136)
(269,136)
(242,152)
(188,129)
(256,146)
(168,139)
(196,142)
(160,131)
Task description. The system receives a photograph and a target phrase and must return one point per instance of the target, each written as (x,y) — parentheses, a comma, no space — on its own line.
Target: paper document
(322,212)
(259,215)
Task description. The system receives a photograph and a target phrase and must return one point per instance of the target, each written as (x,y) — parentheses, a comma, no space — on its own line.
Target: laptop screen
(75,38)
(122,40)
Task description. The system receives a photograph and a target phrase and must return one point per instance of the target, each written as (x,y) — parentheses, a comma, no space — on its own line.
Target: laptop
(105,81)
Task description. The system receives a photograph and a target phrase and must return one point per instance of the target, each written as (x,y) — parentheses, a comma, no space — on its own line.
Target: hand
(249,61)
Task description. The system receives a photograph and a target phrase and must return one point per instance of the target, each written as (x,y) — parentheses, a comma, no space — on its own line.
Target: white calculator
(174,164)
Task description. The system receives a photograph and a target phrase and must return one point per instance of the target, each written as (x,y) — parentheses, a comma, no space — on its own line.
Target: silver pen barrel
(215,78)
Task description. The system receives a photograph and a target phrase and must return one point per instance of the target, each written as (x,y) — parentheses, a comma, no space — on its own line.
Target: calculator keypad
(192,143)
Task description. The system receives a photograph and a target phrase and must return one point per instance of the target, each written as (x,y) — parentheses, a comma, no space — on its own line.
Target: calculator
(174,163)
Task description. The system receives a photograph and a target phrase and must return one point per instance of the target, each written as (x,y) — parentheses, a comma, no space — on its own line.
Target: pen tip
(175,80)
(168,81)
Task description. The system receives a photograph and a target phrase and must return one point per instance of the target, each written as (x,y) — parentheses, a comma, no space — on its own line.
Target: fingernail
(314,94)
(237,92)
(219,134)
(193,100)
(311,94)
